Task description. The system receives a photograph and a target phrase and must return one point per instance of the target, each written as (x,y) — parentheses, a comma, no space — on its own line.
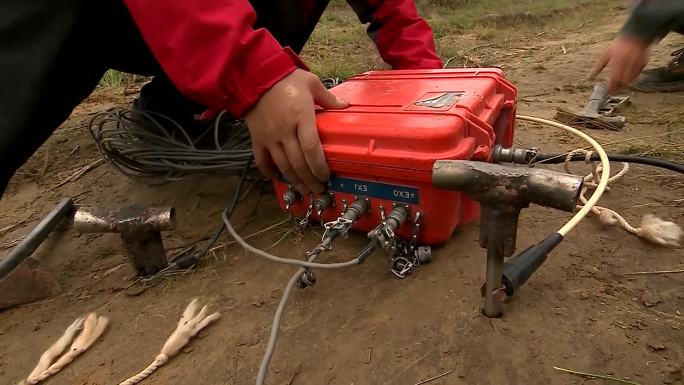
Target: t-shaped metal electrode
(140,228)
(502,192)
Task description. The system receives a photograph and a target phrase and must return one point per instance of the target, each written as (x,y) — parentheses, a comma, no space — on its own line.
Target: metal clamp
(305,221)
(416,228)
(340,224)
(401,266)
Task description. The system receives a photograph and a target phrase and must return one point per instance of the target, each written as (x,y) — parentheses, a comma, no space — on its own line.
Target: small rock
(656,346)
(258,304)
(672,369)
(584,296)
(651,298)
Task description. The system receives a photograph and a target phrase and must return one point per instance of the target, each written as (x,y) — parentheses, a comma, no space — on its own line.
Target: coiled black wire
(150,146)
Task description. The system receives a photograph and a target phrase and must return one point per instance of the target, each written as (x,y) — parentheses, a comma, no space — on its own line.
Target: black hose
(637,159)
(192,259)
(368,250)
(32,241)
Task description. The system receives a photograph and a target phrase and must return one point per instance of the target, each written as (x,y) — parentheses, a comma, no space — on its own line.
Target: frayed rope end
(658,231)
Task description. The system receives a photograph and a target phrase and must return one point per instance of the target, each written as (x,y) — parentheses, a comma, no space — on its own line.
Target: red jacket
(211,52)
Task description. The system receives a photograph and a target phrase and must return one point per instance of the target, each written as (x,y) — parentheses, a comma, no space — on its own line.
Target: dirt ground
(363,326)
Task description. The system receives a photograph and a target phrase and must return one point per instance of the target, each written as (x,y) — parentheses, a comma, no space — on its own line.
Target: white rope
(90,327)
(602,182)
(156,364)
(652,228)
(191,322)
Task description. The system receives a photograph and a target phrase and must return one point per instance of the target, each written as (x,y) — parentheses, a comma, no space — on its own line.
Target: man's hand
(626,57)
(284,133)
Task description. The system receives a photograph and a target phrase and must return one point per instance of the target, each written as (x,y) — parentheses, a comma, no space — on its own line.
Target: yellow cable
(605,173)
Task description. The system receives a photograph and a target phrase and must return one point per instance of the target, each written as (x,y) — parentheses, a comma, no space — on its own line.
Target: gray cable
(149,145)
(275,327)
(286,261)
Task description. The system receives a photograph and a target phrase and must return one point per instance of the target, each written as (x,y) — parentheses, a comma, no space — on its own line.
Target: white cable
(605,173)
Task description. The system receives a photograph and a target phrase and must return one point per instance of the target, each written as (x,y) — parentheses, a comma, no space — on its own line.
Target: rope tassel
(191,322)
(652,228)
(92,327)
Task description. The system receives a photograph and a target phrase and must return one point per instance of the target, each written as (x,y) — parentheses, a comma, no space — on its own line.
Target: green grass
(499,19)
(113,79)
(339,47)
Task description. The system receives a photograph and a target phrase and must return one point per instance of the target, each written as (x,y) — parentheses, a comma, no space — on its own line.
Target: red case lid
(407,119)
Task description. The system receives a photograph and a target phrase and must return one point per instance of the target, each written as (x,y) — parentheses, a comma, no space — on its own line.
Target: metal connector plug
(513,155)
(324,202)
(289,198)
(384,233)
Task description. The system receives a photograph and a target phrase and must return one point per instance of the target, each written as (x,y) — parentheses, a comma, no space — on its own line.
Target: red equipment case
(399,123)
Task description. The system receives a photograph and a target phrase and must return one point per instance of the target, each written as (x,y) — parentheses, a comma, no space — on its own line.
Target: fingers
(325,98)
(311,146)
(281,161)
(264,163)
(600,65)
(633,69)
(615,82)
(301,167)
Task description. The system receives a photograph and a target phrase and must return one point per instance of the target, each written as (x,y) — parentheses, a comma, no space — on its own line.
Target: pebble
(656,346)
(651,298)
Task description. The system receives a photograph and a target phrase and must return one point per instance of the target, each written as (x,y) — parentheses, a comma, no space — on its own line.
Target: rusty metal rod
(133,218)
(495,182)
(33,239)
(494,280)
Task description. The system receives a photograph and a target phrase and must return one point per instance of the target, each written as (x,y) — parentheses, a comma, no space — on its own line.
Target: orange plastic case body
(399,123)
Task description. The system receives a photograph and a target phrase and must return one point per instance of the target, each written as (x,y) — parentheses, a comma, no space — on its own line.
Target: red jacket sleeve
(404,39)
(210,51)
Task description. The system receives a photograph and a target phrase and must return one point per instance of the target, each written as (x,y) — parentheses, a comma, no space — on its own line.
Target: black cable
(190,260)
(368,250)
(637,159)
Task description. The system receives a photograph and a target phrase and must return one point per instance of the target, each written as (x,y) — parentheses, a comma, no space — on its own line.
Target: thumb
(327,99)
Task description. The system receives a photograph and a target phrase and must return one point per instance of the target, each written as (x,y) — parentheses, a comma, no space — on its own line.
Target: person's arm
(652,20)
(211,53)
(627,55)
(404,39)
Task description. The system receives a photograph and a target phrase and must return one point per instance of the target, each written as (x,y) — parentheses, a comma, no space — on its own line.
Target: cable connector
(513,155)
(323,202)
(340,226)
(346,221)
(520,268)
(383,235)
